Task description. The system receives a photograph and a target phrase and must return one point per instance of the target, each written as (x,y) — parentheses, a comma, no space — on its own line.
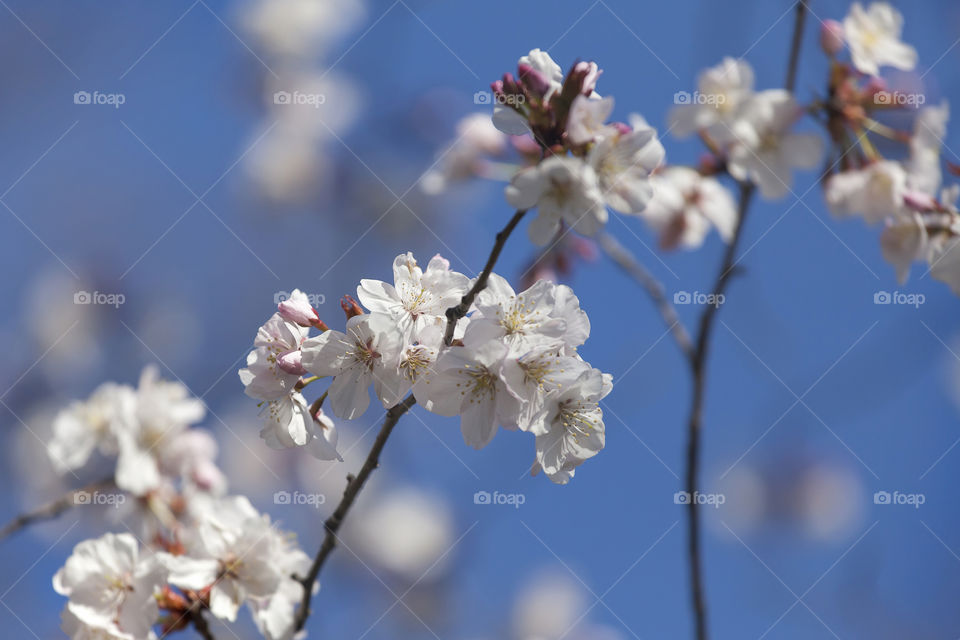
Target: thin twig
(53,509)
(455,313)
(333,523)
(200,623)
(699,364)
(632,267)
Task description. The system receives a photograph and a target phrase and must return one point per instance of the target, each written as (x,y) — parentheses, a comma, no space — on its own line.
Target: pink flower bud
(591,73)
(919,201)
(535,82)
(290,362)
(297,309)
(831,37)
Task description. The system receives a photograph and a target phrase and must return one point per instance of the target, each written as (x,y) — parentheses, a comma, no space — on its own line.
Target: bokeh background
(199,199)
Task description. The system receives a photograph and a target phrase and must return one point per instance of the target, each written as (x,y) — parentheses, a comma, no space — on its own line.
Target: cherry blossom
(269,375)
(686,205)
(721,92)
(766,151)
(235,553)
(563,189)
(623,162)
(365,354)
(574,426)
(873,36)
(418,298)
(467,382)
(297,309)
(91,425)
(110,587)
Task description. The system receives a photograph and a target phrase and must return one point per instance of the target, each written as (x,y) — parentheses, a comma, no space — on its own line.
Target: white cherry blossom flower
(111,587)
(467,382)
(574,426)
(721,91)
(533,375)
(477,140)
(623,163)
(903,241)
(587,119)
(520,320)
(563,189)
(368,350)
(765,150)
(236,553)
(873,36)
(289,424)
(264,378)
(874,192)
(164,409)
(923,165)
(91,425)
(418,299)
(686,205)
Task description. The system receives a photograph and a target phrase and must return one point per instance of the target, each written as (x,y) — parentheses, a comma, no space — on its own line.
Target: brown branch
(53,509)
(199,622)
(334,522)
(699,364)
(455,313)
(632,267)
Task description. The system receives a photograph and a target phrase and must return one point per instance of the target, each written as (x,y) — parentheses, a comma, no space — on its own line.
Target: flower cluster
(512,362)
(587,163)
(920,216)
(206,549)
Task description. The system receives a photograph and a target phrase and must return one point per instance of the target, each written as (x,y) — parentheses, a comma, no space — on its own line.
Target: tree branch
(455,313)
(632,267)
(699,364)
(199,622)
(53,509)
(334,522)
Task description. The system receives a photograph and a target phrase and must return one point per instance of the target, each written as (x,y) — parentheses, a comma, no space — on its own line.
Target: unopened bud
(535,82)
(350,307)
(297,309)
(591,73)
(290,362)
(831,37)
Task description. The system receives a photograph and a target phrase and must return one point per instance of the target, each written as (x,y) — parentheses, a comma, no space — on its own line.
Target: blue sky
(817,397)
